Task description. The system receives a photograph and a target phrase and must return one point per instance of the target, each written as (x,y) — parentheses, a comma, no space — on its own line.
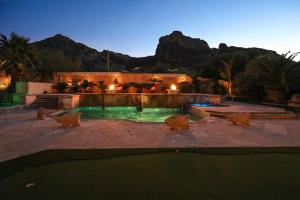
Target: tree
(275,70)
(226,74)
(17,57)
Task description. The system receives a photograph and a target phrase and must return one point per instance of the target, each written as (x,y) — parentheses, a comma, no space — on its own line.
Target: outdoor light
(4,80)
(111,87)
(173,87)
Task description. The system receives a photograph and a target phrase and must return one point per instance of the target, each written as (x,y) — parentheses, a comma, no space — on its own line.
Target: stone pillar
(68,101)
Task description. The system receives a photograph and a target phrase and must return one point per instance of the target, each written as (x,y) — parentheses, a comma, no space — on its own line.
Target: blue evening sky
(134,26)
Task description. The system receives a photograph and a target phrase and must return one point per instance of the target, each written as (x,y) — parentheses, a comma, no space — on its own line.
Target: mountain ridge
(174,51)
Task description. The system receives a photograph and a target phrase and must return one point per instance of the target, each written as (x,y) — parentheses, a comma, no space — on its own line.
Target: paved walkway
(21,133)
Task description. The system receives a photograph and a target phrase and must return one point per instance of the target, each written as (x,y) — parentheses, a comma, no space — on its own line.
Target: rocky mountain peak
(178,48)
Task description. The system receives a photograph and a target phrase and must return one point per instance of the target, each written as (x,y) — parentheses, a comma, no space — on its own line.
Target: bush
(147,85)
(74,86)
(186,87)
(131,84)
(84,84)
(248,86)
(101,85)
(61,86)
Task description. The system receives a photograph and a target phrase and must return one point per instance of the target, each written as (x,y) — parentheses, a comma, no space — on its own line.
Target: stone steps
(46,101)
(258,115)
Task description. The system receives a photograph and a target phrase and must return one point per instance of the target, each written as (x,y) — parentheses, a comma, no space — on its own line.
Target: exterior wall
(109,77)
(29,99)
(33,87)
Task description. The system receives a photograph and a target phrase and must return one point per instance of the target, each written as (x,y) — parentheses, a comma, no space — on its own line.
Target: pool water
(208,105)
(128,113)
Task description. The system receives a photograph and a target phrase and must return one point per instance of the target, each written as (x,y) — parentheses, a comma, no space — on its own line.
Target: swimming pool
(128,113)
(208,105)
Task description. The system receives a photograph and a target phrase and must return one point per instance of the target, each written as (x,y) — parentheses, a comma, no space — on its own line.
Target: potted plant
(61,87)
(102,87)
(74,86)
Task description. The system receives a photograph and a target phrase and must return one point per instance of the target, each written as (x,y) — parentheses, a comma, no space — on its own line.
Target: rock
(199,112)
(294,102)
(202,113)
(68,119)
(29,185)
(181,50)
(239,118)
(41,113)
(173,51)
(178,122)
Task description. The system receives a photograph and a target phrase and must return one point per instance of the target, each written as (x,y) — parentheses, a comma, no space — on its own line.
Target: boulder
(294,102)
(68,119)
(41,113)
(239,118)
(178,122)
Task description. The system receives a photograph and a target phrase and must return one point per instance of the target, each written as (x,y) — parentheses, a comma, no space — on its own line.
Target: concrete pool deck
(255,111)
(21,133)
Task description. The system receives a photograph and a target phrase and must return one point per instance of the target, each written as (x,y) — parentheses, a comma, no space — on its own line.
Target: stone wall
(146,100)
(68,101)
(33,87)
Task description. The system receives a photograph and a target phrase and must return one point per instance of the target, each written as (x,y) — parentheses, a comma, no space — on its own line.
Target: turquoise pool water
(208,105)
(128,113)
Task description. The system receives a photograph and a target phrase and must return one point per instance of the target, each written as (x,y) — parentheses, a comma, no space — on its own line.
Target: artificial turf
(156,174)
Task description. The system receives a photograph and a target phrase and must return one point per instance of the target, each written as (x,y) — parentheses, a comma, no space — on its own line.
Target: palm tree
(226,74)
(275,70)
(17,57)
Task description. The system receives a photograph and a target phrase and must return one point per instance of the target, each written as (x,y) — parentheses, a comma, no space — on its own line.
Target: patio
(21,134)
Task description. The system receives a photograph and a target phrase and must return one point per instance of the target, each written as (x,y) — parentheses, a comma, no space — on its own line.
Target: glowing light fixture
(111,87)
(173,87)
(4,80)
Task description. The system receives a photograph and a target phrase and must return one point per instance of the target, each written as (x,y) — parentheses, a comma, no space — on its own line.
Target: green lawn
(157,175)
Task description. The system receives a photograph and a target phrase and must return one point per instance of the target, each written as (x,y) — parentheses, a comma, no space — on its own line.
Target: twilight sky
(134,26)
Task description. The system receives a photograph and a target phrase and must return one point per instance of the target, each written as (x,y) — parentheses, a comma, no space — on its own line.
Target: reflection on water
(129,113)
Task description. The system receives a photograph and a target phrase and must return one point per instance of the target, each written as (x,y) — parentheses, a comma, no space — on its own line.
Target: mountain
(68,55)
(175,52)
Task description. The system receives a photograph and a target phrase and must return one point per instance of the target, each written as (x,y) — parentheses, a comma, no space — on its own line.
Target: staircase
(46,101)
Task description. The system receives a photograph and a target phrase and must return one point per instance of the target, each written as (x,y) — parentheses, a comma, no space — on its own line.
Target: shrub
(186,87)
(84,84)
(61,87)
(134,84)
(74,86)
(248,86)
(147,85)
(101,85)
